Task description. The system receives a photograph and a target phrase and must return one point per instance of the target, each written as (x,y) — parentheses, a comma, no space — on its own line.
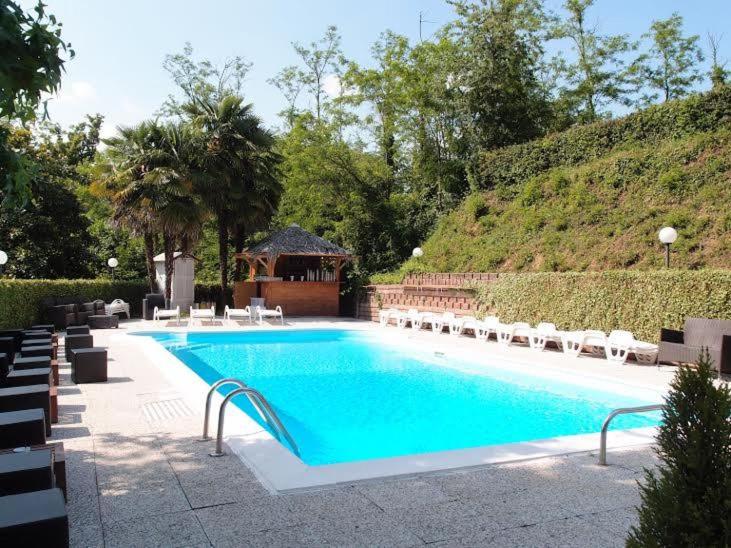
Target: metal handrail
(262,406)
(209,396)
(616,412)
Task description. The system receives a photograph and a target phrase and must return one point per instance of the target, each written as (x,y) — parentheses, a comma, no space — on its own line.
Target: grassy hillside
(598,213)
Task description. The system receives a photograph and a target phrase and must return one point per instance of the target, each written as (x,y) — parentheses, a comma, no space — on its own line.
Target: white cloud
(75,92)
(332,86)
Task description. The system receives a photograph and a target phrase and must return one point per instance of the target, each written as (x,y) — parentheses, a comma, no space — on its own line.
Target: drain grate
(165,410)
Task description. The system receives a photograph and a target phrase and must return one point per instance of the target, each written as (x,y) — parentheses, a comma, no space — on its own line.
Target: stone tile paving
(137,483)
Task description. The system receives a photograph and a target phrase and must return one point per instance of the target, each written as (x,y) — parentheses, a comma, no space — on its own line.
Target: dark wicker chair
(684,346)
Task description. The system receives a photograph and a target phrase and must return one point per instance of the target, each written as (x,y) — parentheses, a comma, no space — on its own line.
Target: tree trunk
(239,237)
(223,255)
(168,243)
(149,241)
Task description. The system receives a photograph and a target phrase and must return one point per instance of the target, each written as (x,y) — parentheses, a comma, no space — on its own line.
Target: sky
(120,46)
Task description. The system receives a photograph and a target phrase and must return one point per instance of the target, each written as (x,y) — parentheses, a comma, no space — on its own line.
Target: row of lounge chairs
(616,347)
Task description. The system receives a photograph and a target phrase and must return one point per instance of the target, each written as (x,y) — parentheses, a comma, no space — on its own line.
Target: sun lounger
(162,313)
(438,322)
(544,333)
(385,315)
(117,306)
(459,325)
(506,333)
(276,312)
(488,325)
(229,313)
(408,317)
(423,318)
(620,344)
(574,342)
(201,314)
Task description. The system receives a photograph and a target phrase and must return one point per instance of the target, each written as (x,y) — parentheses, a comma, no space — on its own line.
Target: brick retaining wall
(436,292)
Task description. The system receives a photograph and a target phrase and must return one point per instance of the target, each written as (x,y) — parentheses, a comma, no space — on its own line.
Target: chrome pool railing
(616,412)
(258,401)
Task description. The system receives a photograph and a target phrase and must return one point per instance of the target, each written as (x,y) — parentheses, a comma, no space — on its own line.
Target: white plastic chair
(117,306)
(229,313)
(573,342)
(385,315)
(408,317)
(458,325)
(163,313)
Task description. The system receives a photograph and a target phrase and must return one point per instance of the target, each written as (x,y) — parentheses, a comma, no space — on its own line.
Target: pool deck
(138,476)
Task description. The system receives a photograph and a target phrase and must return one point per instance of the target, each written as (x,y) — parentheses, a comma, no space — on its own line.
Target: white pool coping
(280,470)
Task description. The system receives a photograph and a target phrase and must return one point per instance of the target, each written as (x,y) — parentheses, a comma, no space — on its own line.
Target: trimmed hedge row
(516,164)
(641,302)
(21,300)
(212,293)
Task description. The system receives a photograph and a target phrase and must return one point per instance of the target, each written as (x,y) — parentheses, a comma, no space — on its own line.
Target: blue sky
(120,46)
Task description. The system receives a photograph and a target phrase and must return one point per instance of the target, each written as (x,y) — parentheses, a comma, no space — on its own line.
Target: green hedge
(674,119)
(212,293)
(641,302)
(21,300)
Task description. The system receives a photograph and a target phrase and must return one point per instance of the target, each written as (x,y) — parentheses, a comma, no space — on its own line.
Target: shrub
(687,501)
(21,301)
(671,120)
(212,293)
(641,302)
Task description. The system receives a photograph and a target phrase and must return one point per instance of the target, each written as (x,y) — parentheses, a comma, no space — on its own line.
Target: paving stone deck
(138,476)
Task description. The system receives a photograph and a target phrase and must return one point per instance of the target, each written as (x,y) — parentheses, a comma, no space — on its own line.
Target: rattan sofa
(685,346)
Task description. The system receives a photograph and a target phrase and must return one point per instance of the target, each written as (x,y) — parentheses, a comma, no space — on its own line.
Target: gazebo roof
(294,240)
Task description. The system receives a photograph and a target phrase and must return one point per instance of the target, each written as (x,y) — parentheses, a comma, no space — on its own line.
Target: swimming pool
(348,396)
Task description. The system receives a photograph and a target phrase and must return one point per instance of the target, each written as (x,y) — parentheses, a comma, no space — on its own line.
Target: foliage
(670,66)
(675,119)
(598,76)
(641,302)
(686,501)
(30,65)
(21,300)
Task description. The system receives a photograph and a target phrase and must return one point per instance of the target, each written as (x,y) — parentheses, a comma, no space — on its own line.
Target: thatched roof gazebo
(292,241)
(296,270)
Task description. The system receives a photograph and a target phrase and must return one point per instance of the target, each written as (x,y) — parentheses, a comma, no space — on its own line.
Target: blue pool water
(348,396)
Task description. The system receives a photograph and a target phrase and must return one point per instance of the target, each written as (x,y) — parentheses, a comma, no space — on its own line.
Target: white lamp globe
(113,263)
(3,258)
(418,252)
(668,235)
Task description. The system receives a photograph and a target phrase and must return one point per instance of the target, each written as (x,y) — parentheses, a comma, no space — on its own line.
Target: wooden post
(338,266)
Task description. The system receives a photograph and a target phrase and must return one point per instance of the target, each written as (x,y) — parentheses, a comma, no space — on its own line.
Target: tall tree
(237,177)
(202,79)
(289,81)
(30,65)
(671,67)
(599,76)
(719,74)
(500,94)
(321,59)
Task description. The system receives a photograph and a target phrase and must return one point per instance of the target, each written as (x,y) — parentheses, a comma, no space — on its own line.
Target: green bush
(21,301)
(641,302)
(686,501)
(212,293)
(670,120)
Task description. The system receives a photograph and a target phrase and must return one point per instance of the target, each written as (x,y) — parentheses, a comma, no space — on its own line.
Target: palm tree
(238,177)
(153,165)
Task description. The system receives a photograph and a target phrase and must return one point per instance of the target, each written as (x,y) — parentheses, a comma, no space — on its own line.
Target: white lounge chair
(620,344)
(488,325)
(543,333)
(230,313)
(117,306)
(423,318)
(574,342)
(164,313)
(385,315)
(507,332)
(201,314)
(409,317)
(439,321)
(262,313)
(458,325)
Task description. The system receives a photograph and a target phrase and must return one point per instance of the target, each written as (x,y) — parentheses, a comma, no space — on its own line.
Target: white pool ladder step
(258,401)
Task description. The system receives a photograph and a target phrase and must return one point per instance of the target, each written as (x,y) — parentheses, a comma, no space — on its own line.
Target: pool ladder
(260,403)
(616,412)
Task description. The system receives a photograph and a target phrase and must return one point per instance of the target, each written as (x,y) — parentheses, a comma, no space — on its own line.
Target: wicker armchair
(684,346)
